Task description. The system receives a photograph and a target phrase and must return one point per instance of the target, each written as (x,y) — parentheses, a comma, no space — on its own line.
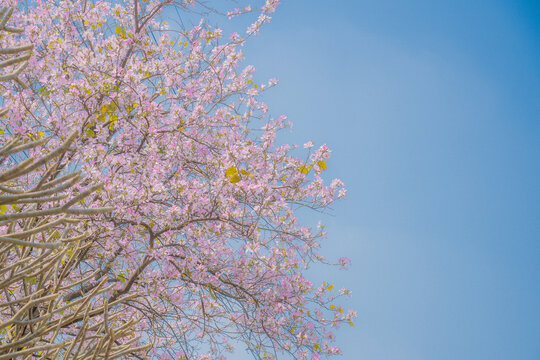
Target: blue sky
(432,109)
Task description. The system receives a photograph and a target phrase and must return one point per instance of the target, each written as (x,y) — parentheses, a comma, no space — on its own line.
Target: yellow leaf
(322,165)
(247,173)
(3,209)
(351,323)
(303,169)
(231,171)
(235,178)
(332,307)
(120,31)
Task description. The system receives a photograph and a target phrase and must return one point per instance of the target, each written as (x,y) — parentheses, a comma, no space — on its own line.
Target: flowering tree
(205,226)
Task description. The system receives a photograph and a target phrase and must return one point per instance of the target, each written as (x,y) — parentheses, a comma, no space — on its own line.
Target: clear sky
(432,109)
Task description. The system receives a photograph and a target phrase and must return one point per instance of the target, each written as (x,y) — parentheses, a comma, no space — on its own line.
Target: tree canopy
(203,240)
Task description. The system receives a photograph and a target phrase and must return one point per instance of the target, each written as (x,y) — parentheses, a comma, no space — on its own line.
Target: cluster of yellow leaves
(37,136)
(234,174)
(340,310)
(107,113)
(145,73)
(212,35)
(57,41)
(181,126)
(107,88)
(94,26)
(121,32)
(130,108)
(327,286)
(3,209)
(43,91)
(305,169)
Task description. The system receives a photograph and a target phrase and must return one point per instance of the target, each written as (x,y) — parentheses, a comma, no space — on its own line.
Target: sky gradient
(432,110)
